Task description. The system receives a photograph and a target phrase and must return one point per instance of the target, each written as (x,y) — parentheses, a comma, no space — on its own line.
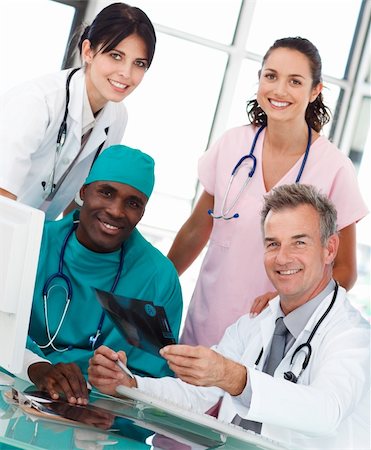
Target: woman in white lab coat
(53,127)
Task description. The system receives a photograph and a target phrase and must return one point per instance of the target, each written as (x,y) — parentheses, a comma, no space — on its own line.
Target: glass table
(106,423)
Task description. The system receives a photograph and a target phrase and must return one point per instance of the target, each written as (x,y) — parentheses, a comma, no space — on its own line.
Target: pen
(124,368)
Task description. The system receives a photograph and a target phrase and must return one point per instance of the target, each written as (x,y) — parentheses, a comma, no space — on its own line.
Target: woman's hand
(261,302)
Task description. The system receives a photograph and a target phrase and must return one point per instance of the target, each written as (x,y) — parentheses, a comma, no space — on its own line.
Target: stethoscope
(49,186)
(224,212)
(306,346)
(94,340)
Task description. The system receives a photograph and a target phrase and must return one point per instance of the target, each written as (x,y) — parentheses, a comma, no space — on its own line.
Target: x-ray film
(143,324)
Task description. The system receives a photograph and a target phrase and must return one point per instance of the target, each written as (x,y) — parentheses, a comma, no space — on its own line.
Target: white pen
(124,368)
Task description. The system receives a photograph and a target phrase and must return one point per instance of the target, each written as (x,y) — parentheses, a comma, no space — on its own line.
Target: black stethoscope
(306,346)
(94,340)
(224,212)
(50,186)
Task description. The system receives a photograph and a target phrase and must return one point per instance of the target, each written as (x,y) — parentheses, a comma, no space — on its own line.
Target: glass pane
(362,128)
(170,116)
(33,36)
(330,94)
(211,19)
(246,88)
(368,74)
(361,144)
(361,292)
(325,23)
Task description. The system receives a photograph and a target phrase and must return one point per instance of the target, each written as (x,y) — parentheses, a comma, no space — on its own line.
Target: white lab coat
(330,405)
(30,117)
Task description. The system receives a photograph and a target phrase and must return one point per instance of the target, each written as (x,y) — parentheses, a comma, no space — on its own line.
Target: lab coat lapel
(98,134)
(77,87)
(267,325)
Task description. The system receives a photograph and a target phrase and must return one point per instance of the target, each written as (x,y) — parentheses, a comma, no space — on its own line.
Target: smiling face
(113,75)
(109,214)
(286,85)
(296,261)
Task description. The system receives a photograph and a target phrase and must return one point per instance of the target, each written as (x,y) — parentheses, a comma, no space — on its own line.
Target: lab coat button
(66,161)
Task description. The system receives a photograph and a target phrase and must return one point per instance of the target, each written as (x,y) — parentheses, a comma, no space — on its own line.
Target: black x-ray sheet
(143,324)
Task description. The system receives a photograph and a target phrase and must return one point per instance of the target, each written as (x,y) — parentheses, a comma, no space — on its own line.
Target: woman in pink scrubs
(288,149)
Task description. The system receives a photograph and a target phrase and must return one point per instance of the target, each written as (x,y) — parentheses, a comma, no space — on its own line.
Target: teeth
(109,226)
(288,272)
(279,104)
(118,85)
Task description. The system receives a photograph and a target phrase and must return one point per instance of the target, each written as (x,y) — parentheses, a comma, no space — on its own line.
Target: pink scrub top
(232,274)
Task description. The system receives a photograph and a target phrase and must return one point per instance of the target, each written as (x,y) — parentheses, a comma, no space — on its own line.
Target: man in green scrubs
(61,332)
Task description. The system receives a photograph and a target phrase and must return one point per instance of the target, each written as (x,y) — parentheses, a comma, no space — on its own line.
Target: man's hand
(59,379)
(202,366)
(105,374)
(261,302)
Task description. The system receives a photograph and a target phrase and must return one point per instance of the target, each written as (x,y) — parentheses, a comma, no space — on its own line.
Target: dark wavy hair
(316,114)
(115,23)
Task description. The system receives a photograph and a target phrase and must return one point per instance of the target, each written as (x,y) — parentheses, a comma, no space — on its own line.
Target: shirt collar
(296,320)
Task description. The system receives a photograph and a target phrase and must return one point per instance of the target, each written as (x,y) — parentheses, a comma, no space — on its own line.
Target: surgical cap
(125,165)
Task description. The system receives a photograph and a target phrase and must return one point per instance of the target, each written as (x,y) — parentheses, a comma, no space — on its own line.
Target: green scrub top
(146,275)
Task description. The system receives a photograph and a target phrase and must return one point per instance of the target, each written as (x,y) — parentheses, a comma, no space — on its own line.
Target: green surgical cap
(124,165)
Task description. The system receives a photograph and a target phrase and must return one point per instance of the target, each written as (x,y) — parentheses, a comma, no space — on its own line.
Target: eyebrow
(290,75)
(296,236)
(113,189)
(124,54)
(107,186)
(269,239)
(300,236)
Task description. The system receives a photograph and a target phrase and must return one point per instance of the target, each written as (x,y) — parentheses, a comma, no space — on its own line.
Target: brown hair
(316,114)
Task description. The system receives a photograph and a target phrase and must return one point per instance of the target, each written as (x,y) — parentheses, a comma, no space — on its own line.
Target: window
(170,116)
(204,71)
(311,19)
(30,44)
(210,19)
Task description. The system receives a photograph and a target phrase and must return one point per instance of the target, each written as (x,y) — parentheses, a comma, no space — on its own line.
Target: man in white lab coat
(317,396)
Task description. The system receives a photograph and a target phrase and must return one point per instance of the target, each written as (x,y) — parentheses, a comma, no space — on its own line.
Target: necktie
(276,354)
(84,140)
(277,351)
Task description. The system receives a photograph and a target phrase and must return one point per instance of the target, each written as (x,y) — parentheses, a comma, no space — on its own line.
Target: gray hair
(294,195)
